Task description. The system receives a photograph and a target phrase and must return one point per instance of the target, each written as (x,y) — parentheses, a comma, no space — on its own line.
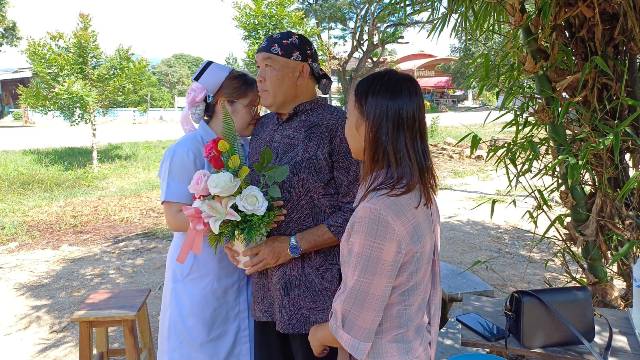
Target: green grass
(457,132)
(58,186)
(481,171)
(450,169)
(38,181)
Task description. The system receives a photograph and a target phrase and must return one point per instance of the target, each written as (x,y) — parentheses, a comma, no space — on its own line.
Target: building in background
(10,80)
(437,86)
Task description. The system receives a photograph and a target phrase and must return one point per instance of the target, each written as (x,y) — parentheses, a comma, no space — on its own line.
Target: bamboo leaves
(577,133)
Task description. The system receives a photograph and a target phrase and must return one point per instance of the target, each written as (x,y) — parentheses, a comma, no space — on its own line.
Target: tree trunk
(634,77)
(634,81)
(25,115)
(345,83)
(94,143)
(557,133)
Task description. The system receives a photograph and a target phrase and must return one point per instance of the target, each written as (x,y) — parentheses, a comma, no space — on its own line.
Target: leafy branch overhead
(366,29)
(353,38)
(260,18)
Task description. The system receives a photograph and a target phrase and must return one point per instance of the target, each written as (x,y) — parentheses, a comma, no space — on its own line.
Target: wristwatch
(294,247)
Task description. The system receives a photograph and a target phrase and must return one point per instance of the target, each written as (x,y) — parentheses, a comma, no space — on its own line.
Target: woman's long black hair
(397,159)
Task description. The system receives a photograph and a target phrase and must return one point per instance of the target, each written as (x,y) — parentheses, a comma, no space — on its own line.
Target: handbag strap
(607,348)
(508,313)
(559,316)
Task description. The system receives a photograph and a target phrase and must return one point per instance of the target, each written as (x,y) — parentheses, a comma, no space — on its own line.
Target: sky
(157,29)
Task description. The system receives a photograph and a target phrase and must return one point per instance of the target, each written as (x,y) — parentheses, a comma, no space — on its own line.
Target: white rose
(252,201)
(223,184)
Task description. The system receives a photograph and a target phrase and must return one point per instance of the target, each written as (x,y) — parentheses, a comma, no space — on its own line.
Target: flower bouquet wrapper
(239,245)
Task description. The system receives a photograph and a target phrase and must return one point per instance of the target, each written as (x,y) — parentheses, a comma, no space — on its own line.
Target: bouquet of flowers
(226,206)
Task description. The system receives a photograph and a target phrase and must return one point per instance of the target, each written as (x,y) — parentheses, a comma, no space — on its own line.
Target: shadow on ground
(138,262)
(130,262)
(507,258)
(73,158)
(14,126)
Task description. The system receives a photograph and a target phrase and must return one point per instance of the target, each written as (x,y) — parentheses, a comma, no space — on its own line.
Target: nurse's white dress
(205,311)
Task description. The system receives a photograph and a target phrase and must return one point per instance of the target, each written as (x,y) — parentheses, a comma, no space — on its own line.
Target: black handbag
(553,317)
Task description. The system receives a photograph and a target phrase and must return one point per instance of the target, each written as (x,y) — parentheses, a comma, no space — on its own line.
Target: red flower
(211,148)
(216,161)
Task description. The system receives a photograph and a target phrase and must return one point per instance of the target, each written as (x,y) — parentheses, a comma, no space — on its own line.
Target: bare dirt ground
(41,288)
(42,284)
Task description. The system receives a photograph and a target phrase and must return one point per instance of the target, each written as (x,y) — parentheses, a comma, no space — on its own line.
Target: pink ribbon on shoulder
(185,121)
(197,230)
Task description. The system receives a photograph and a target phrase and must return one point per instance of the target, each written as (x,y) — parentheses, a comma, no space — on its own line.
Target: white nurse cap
(206,82)
(211,75)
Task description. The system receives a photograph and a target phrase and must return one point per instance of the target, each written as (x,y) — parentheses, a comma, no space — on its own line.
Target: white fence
(116,115)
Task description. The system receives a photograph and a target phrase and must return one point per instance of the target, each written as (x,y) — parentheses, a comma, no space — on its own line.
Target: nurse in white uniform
(205,311)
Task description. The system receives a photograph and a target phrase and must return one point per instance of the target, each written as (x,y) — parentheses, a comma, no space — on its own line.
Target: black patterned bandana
(297,47)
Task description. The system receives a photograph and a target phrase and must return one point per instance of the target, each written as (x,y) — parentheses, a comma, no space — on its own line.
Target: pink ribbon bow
(197,230)
(195,95)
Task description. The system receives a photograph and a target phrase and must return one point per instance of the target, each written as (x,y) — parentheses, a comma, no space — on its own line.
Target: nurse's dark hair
(236,86)
(397,159)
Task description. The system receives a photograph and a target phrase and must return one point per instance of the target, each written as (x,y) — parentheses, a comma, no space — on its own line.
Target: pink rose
(198,185)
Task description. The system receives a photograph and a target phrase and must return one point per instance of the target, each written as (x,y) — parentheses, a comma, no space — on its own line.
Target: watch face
(294,250)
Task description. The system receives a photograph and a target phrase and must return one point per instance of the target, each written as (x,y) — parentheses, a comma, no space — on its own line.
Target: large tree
(9,34)
(174,73)
(260,18)
(359,33)
(568,73)
(233,61)
(73,77)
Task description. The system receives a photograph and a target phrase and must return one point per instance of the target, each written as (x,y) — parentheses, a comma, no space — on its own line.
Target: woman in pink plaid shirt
(388,305)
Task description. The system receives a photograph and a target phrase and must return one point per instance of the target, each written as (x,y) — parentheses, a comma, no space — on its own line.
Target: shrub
(17,115)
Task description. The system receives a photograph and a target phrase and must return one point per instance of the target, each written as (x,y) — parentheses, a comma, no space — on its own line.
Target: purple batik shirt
(320,189)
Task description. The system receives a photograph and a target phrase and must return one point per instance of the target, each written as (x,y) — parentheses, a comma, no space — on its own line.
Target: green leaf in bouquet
(230,135)
(255,228)
(266,157)
(227,231)
(277,174)
(215,241)
(274,192)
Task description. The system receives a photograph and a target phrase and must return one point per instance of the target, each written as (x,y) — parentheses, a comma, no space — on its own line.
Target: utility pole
(148,105)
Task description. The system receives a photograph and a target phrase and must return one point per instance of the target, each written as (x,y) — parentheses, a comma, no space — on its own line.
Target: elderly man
(296,271)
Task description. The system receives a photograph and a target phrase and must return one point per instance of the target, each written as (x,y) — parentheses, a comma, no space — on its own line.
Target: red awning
(437,82)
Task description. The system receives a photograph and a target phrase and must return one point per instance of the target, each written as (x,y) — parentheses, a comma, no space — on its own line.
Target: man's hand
(282,213)
(272,252)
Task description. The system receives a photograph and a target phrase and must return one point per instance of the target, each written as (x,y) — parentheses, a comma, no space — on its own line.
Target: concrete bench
(457,282)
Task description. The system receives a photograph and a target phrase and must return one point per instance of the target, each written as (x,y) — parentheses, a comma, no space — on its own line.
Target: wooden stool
(115,308)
